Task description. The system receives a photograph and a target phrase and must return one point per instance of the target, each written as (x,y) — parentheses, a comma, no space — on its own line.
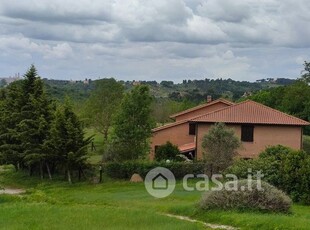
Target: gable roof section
(202,106)
(187,147)
(169,125)
(250,112)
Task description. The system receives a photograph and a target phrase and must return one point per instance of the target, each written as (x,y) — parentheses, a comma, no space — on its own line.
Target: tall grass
(120,205)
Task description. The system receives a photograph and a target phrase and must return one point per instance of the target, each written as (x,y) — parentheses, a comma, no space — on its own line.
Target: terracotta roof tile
(187,147)
(250,112)
(202,106)
(169,125)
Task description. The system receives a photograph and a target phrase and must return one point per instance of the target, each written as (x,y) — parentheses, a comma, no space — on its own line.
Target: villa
(258,126)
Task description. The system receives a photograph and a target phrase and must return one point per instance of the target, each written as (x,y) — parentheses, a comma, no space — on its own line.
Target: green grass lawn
(120,205)
(95,156)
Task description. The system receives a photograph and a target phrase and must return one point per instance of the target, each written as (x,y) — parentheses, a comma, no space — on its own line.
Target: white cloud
(241,39)
(62,50)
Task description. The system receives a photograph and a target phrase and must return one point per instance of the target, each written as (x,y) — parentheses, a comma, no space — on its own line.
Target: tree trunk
(48,171)
(69,176)
(16,167)
(105,135)
(41,170)
(30,170)
(79,173)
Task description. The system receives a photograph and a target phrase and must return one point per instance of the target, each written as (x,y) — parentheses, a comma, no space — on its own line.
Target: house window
(192,129)
(247,133)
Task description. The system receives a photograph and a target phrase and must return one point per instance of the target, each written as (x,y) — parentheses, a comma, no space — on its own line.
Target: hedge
(124,170)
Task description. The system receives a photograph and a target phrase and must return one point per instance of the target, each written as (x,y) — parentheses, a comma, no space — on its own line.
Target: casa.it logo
(159,182)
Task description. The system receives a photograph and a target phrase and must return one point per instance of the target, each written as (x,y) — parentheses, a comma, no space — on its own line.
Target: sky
(155,40)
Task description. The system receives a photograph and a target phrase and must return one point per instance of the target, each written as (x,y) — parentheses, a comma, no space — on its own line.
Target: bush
(220,146)
(287,169)
(167,151)
(277,152)
(268,167)
(295,171)
(124,170)
(306,144)
(270,199)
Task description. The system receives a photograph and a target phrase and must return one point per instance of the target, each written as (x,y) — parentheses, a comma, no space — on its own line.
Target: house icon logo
(159,182)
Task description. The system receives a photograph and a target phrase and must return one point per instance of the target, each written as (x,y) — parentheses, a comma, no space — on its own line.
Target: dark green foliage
(295,170)
(25,115)
(75,90)
(293,99)
(163,108)
(133,125)
(11,104)
(220,145)
(66,141)
(270,199)
(2,83)
(306,73)
(125,170)
(282,167)
(36,114)
(167,151)
(32,134)
(306,144)
(102,104)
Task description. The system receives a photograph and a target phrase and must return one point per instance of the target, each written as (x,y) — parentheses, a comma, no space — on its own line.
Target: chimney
(209,98)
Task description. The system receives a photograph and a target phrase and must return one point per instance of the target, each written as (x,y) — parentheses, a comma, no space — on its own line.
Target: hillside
(194,91)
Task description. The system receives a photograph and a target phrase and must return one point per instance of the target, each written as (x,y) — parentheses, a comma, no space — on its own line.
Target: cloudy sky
(155,40)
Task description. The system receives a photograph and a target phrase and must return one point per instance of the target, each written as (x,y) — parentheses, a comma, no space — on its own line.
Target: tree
(167,151)
(2,83)
(306,72)
(10,145)
(36,116)
(220,145)
(103,103)
(66,141)
(133,125)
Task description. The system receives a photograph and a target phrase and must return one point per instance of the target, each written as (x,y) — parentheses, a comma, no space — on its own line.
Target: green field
(120,205)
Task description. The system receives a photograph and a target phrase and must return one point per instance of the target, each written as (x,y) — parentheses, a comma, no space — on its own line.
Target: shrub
(269,199)
(287,169)
(295,171)
(306,144)
(277,152)
(167,151)
(268,167)
(220,146)
(124,170)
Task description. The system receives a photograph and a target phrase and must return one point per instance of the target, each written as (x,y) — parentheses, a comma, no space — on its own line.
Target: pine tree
(67,141)
(25,115)
(10,106)
(36,117)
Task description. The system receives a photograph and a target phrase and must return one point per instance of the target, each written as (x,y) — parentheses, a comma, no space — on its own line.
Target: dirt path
(12,191)
(213,226)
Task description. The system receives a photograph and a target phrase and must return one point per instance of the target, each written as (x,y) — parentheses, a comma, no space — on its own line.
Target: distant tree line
(293,99)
